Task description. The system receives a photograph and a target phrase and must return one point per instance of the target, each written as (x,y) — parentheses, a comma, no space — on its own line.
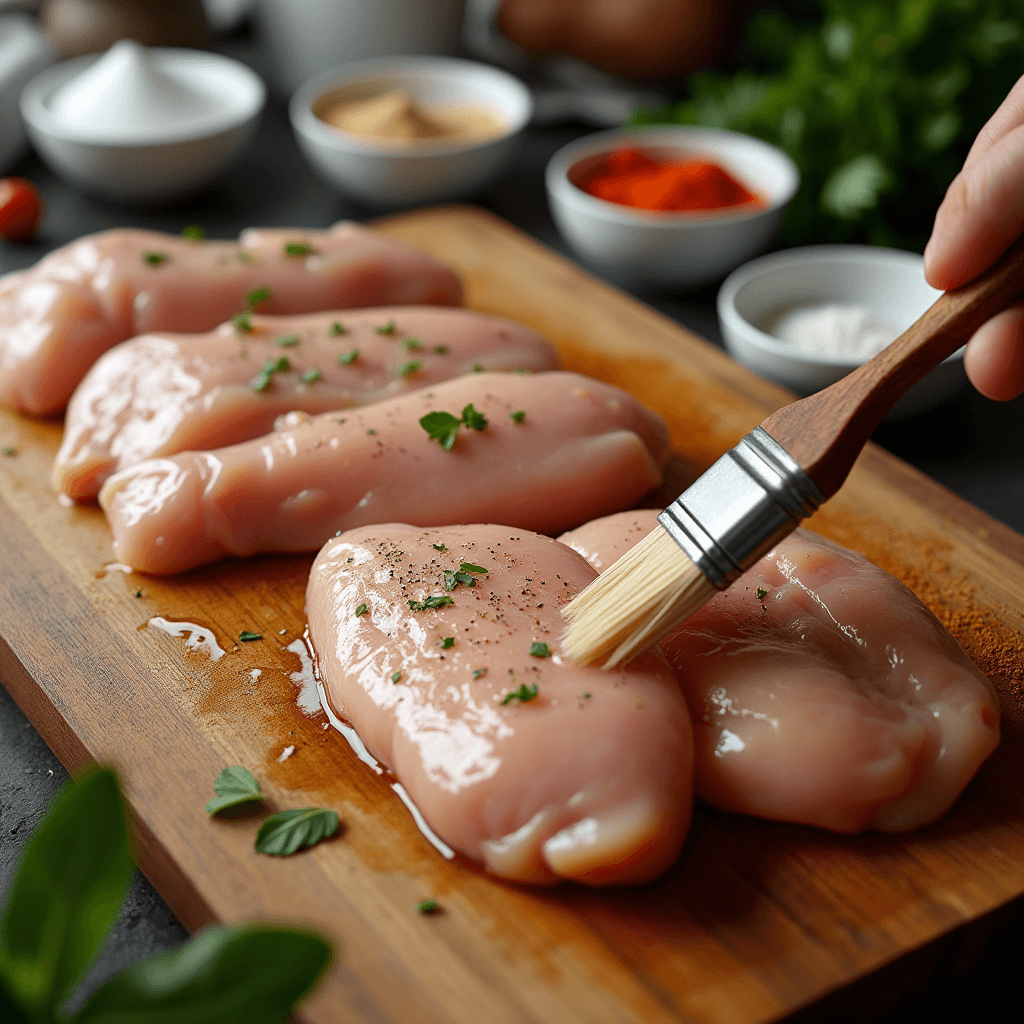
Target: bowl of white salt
(807,317)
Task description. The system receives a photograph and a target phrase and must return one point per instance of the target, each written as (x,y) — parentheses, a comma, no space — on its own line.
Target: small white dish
(888,282)
(385,175)
(647,248)
(167,122)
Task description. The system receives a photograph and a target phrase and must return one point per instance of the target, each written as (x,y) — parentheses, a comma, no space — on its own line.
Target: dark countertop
(971,445)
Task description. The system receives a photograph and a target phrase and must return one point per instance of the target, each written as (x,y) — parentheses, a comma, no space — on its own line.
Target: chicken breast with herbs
(58,317)
(440,647)
(161,394)
(822,691)
(543,452)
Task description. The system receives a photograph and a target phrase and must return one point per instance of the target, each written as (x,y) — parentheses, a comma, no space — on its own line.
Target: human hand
(981,216)
(642,39)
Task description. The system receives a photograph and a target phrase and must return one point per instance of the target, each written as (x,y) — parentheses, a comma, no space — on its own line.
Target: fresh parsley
(436,547)
(761,593)
(410,344)
(413,366)
(441,350)
(288,341)
(473,419)
(518,416)
(297,248)
(193,233)
(388,328)
(257,295)
(447,643)
(539,650)
(523,694)
(338,328)
(9,450)
(247,635)
(452,579)
(435,601)
(281,363)
(395,676)
(242,322)
(154,259)
(310,376)
(442,427)
(428,906)
(470,567)
(286,832)
(235,786)
(479,673)
(347,358)
(261,381)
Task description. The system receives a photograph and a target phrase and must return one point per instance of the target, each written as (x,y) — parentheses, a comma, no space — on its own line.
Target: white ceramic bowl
(384,175)
(164,163)
(644,248)
(887,281)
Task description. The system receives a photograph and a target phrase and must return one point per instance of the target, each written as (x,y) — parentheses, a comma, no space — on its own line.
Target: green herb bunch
(67,892)
(877,103)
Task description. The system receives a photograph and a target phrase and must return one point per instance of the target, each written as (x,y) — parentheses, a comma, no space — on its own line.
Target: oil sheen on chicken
(58,317)
(822,691)
(549,451)
(537,767)
(161,394)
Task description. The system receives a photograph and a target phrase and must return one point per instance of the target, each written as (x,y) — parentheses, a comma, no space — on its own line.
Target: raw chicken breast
(60,316)
(581,448)
(167,393)
(834,699)
(585,775)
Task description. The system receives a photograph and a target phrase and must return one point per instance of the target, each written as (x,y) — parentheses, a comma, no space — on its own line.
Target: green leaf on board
(254,974)
(234,786)
(284,833)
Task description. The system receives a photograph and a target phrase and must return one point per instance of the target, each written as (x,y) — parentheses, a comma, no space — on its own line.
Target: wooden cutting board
(756,919)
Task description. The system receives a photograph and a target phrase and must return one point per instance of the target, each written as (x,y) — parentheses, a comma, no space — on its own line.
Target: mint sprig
(286,832)
(234,786)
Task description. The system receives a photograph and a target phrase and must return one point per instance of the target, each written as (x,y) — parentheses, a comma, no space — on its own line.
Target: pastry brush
(757,493)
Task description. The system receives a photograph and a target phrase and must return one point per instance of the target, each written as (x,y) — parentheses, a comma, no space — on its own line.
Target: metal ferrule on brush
(749,500)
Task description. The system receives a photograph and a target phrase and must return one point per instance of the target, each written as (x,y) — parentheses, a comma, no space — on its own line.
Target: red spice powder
(631,177)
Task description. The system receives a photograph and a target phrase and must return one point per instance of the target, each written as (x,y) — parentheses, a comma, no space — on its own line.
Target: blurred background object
(77,27)
(24,51)
(305,37)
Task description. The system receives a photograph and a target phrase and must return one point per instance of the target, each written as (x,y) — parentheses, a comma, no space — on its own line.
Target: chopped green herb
(138,593)
(154,259)
(260,382)
(523,694)
(539,650)
(194,233)
(248,634)
(428,906)
(439,547)
(441,350)
(411,343)
(395,676)
(242,322)
(372,431)
(436,601)
(452,579)
(281,363)
(310,376)
(284,833)
(347,358)
(234,786)
(522,369)
(338,328)
(243,257)
(479,673)
(442,427)
(470,567)
(297,248)
(413,366)
(586,693)
(257,295)
(447,643)
(472,418)
(8,450)
(518,416)
(388,328)
(288,341)
(360,610)
(761,593)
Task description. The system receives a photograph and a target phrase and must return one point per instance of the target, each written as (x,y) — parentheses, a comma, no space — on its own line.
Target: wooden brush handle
(826,431)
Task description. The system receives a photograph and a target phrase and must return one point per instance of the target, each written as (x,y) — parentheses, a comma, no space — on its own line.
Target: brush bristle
(648,592)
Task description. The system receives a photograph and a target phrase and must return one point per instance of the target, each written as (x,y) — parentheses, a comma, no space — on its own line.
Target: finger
(981,215)
(994,359)
(1008,116)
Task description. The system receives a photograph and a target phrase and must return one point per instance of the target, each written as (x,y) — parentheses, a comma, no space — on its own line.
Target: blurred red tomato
(20,209)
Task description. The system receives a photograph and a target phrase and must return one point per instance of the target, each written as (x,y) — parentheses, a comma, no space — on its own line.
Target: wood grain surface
(754,921)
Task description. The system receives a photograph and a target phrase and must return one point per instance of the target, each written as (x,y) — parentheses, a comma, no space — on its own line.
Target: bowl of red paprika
(669,207)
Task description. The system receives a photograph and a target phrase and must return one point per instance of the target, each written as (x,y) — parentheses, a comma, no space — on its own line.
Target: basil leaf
(442,427)
(252,974)
(287,831)
(234,786)
(66,894)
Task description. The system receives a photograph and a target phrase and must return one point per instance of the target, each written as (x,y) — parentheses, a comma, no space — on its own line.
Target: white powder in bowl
(847,332)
